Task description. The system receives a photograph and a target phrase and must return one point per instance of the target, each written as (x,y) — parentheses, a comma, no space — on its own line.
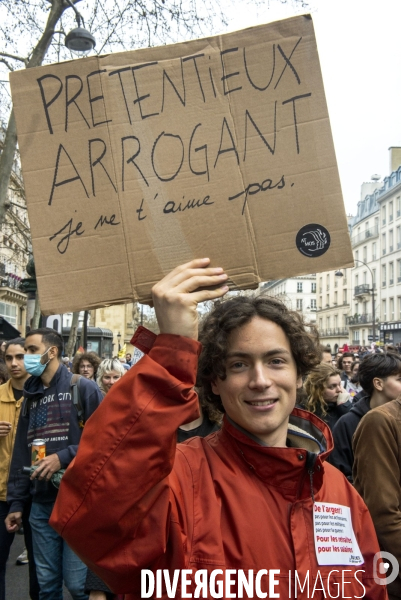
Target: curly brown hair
(315,385)
(91,357)
(233,313)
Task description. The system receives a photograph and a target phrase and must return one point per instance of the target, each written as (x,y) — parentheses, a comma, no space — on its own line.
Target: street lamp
(119,338)
(371,291)
(79,39)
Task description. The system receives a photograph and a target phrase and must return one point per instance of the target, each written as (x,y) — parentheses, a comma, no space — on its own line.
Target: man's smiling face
(260,387)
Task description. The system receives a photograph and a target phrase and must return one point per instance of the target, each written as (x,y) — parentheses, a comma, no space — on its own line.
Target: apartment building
(298,293)
(333,306)
(371,291)
(15,250)
(389,284)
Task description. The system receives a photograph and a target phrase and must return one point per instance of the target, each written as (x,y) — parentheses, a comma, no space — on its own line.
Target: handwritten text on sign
(131,159)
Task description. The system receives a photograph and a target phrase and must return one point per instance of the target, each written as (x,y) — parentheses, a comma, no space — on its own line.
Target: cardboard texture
(139,161)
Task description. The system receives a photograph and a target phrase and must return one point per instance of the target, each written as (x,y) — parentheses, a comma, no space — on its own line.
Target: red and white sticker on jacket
(335,541)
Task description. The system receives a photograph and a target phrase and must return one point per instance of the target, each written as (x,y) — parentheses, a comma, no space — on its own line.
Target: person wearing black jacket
(48,413)
(374,372)
(342,456)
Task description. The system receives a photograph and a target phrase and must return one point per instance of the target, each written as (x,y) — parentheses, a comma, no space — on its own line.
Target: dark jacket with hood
(49,414)
(342,456)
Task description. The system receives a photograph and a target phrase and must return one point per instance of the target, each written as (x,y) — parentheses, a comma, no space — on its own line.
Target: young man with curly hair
(238,503)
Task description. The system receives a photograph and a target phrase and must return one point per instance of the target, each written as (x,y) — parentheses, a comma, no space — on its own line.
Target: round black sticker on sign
(313,240)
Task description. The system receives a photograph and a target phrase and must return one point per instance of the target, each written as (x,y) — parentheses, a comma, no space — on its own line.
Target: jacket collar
(287,468)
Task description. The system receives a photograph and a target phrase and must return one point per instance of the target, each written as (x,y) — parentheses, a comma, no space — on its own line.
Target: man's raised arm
(115,499)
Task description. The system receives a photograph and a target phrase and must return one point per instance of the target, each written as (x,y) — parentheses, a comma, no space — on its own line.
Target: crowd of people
(270,427)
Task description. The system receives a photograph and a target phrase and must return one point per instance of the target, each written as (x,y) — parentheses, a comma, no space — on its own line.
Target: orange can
(38,450)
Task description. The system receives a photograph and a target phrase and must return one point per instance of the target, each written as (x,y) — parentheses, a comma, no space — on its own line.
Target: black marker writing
(64,242)
(255,188)
(103,220)
(171,207)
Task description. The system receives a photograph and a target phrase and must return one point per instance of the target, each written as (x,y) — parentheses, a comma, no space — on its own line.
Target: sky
(360,55)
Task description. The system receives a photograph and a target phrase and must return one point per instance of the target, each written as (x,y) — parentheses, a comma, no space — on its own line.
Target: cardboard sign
(139,161)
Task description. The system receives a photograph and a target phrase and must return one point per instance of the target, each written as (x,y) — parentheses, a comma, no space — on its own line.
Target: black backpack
(76,399)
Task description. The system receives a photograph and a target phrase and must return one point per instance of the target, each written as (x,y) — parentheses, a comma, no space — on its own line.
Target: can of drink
(38,450)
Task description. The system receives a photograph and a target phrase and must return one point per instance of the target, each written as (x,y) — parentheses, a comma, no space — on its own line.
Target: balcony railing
(364,235)
(333,332)
(362,289)
(359,319)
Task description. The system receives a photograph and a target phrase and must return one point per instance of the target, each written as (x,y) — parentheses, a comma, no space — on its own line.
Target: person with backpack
(55,408)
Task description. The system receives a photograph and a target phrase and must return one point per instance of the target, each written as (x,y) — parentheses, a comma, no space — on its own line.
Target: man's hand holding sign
(177,296)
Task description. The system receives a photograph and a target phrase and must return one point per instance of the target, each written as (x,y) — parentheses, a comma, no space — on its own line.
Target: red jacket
(134,500)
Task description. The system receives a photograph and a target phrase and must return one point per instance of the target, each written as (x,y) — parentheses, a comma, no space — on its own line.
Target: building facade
(298,293)
(371,290)
(15,250)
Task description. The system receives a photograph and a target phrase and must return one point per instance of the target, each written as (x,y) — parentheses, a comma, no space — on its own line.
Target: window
(313,288)
(374,277)
(328,322)
(384,310)
(399,307)
(357,255)
(398,234)
(365,277)
(390,241)
(384,271)
(335,323)
(383,243)
(398,271)
(356,336)
(383,215)
(320,285)
(313,304)
(9,312)
(299,303)
(321,322)
(398,206)
(374,251)
(390,211)
(391,309)
(299,286)
(327,281)
(356,280)
(391,273)
(335,298)
(365,254)
(345,297)
(327,300)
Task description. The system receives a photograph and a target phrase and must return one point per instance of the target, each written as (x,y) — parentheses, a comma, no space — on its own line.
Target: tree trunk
(10,142)
(69,351)
(36,313)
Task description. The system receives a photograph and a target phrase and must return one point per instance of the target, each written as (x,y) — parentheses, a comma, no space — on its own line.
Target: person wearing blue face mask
(48,413)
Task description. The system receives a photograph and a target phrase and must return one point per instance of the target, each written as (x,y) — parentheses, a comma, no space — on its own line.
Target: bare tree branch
(14,57)
(9,67)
